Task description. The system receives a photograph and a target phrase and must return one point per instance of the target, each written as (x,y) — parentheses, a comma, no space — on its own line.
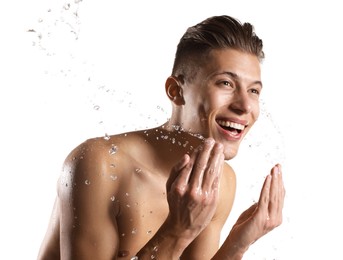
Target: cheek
(256,111)
(207,110)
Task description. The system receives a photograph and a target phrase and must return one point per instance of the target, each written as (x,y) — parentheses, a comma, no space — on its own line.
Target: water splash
(113,149)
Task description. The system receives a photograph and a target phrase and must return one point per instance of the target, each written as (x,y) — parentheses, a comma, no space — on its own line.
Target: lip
(234,120)
(228,134)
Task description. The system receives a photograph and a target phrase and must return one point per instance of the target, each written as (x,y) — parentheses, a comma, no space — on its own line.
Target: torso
(136,167)
(142,202)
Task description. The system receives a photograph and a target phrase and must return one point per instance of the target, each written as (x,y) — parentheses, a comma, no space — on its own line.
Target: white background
(74,70)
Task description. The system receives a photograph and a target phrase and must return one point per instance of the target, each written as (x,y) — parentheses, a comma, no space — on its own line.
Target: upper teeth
(231,124)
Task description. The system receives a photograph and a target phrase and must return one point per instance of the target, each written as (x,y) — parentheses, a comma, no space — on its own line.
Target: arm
(87,215)
(258,220)
(50,247)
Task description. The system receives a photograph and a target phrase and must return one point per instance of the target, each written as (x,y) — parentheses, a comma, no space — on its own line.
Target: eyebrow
(236,77)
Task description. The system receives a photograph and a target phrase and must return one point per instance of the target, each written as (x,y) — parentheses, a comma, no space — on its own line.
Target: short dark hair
(216,32)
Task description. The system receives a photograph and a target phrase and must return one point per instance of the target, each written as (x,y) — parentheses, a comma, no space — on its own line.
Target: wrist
(231,250)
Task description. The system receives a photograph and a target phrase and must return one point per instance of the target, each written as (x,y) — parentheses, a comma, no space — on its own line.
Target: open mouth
(232,127)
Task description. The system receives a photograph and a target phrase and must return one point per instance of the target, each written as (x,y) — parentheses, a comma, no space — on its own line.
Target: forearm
(230,251)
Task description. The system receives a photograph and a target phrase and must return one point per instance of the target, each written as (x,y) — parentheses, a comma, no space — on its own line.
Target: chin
(230,152)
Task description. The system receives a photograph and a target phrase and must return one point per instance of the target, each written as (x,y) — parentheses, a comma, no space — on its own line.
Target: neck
(171,142)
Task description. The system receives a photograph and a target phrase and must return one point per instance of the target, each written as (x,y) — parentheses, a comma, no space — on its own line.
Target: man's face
(223,100)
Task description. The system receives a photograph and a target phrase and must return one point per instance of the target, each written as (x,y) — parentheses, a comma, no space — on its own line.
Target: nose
(241,104)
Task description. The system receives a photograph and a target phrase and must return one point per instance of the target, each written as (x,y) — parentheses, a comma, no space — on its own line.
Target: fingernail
(275,171)
(209,141)
(279,169)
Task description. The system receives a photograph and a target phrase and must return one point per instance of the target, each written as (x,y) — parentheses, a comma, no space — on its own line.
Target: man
(165,193)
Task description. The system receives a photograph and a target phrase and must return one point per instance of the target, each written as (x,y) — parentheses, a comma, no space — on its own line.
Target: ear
(174,90)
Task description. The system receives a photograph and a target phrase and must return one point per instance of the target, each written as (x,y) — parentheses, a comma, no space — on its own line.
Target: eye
(227,83)
(255,91)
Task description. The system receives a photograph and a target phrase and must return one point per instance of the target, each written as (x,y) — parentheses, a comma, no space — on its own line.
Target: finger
(274,192)
(264,196)
(176,171)
(214,169)
(281,190)
(200,163)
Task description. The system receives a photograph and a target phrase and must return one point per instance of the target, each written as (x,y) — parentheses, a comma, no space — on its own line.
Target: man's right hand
(192,189)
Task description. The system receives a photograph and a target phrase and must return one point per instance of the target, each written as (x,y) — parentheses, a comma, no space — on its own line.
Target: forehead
(245,65)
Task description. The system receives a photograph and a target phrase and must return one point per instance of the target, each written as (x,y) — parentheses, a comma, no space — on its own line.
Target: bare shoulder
(87,165)
(229,176)
(93,174)
(96,158)
(227,192)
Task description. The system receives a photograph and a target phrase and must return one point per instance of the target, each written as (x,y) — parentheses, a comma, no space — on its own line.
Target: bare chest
(142,208)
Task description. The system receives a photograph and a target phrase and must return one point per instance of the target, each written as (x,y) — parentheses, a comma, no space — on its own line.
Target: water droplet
(107,137)
(96,107)
(66,6)
(134,258)
(87,182)
(138,170)
(113,149)
(134,231)
(113,198)
(149,232)
(113,177)
(112,165)
(127,194)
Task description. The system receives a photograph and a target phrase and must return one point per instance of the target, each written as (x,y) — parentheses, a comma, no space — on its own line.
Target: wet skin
(164,192)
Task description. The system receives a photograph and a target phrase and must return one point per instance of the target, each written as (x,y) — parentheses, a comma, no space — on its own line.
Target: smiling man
(166,192)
